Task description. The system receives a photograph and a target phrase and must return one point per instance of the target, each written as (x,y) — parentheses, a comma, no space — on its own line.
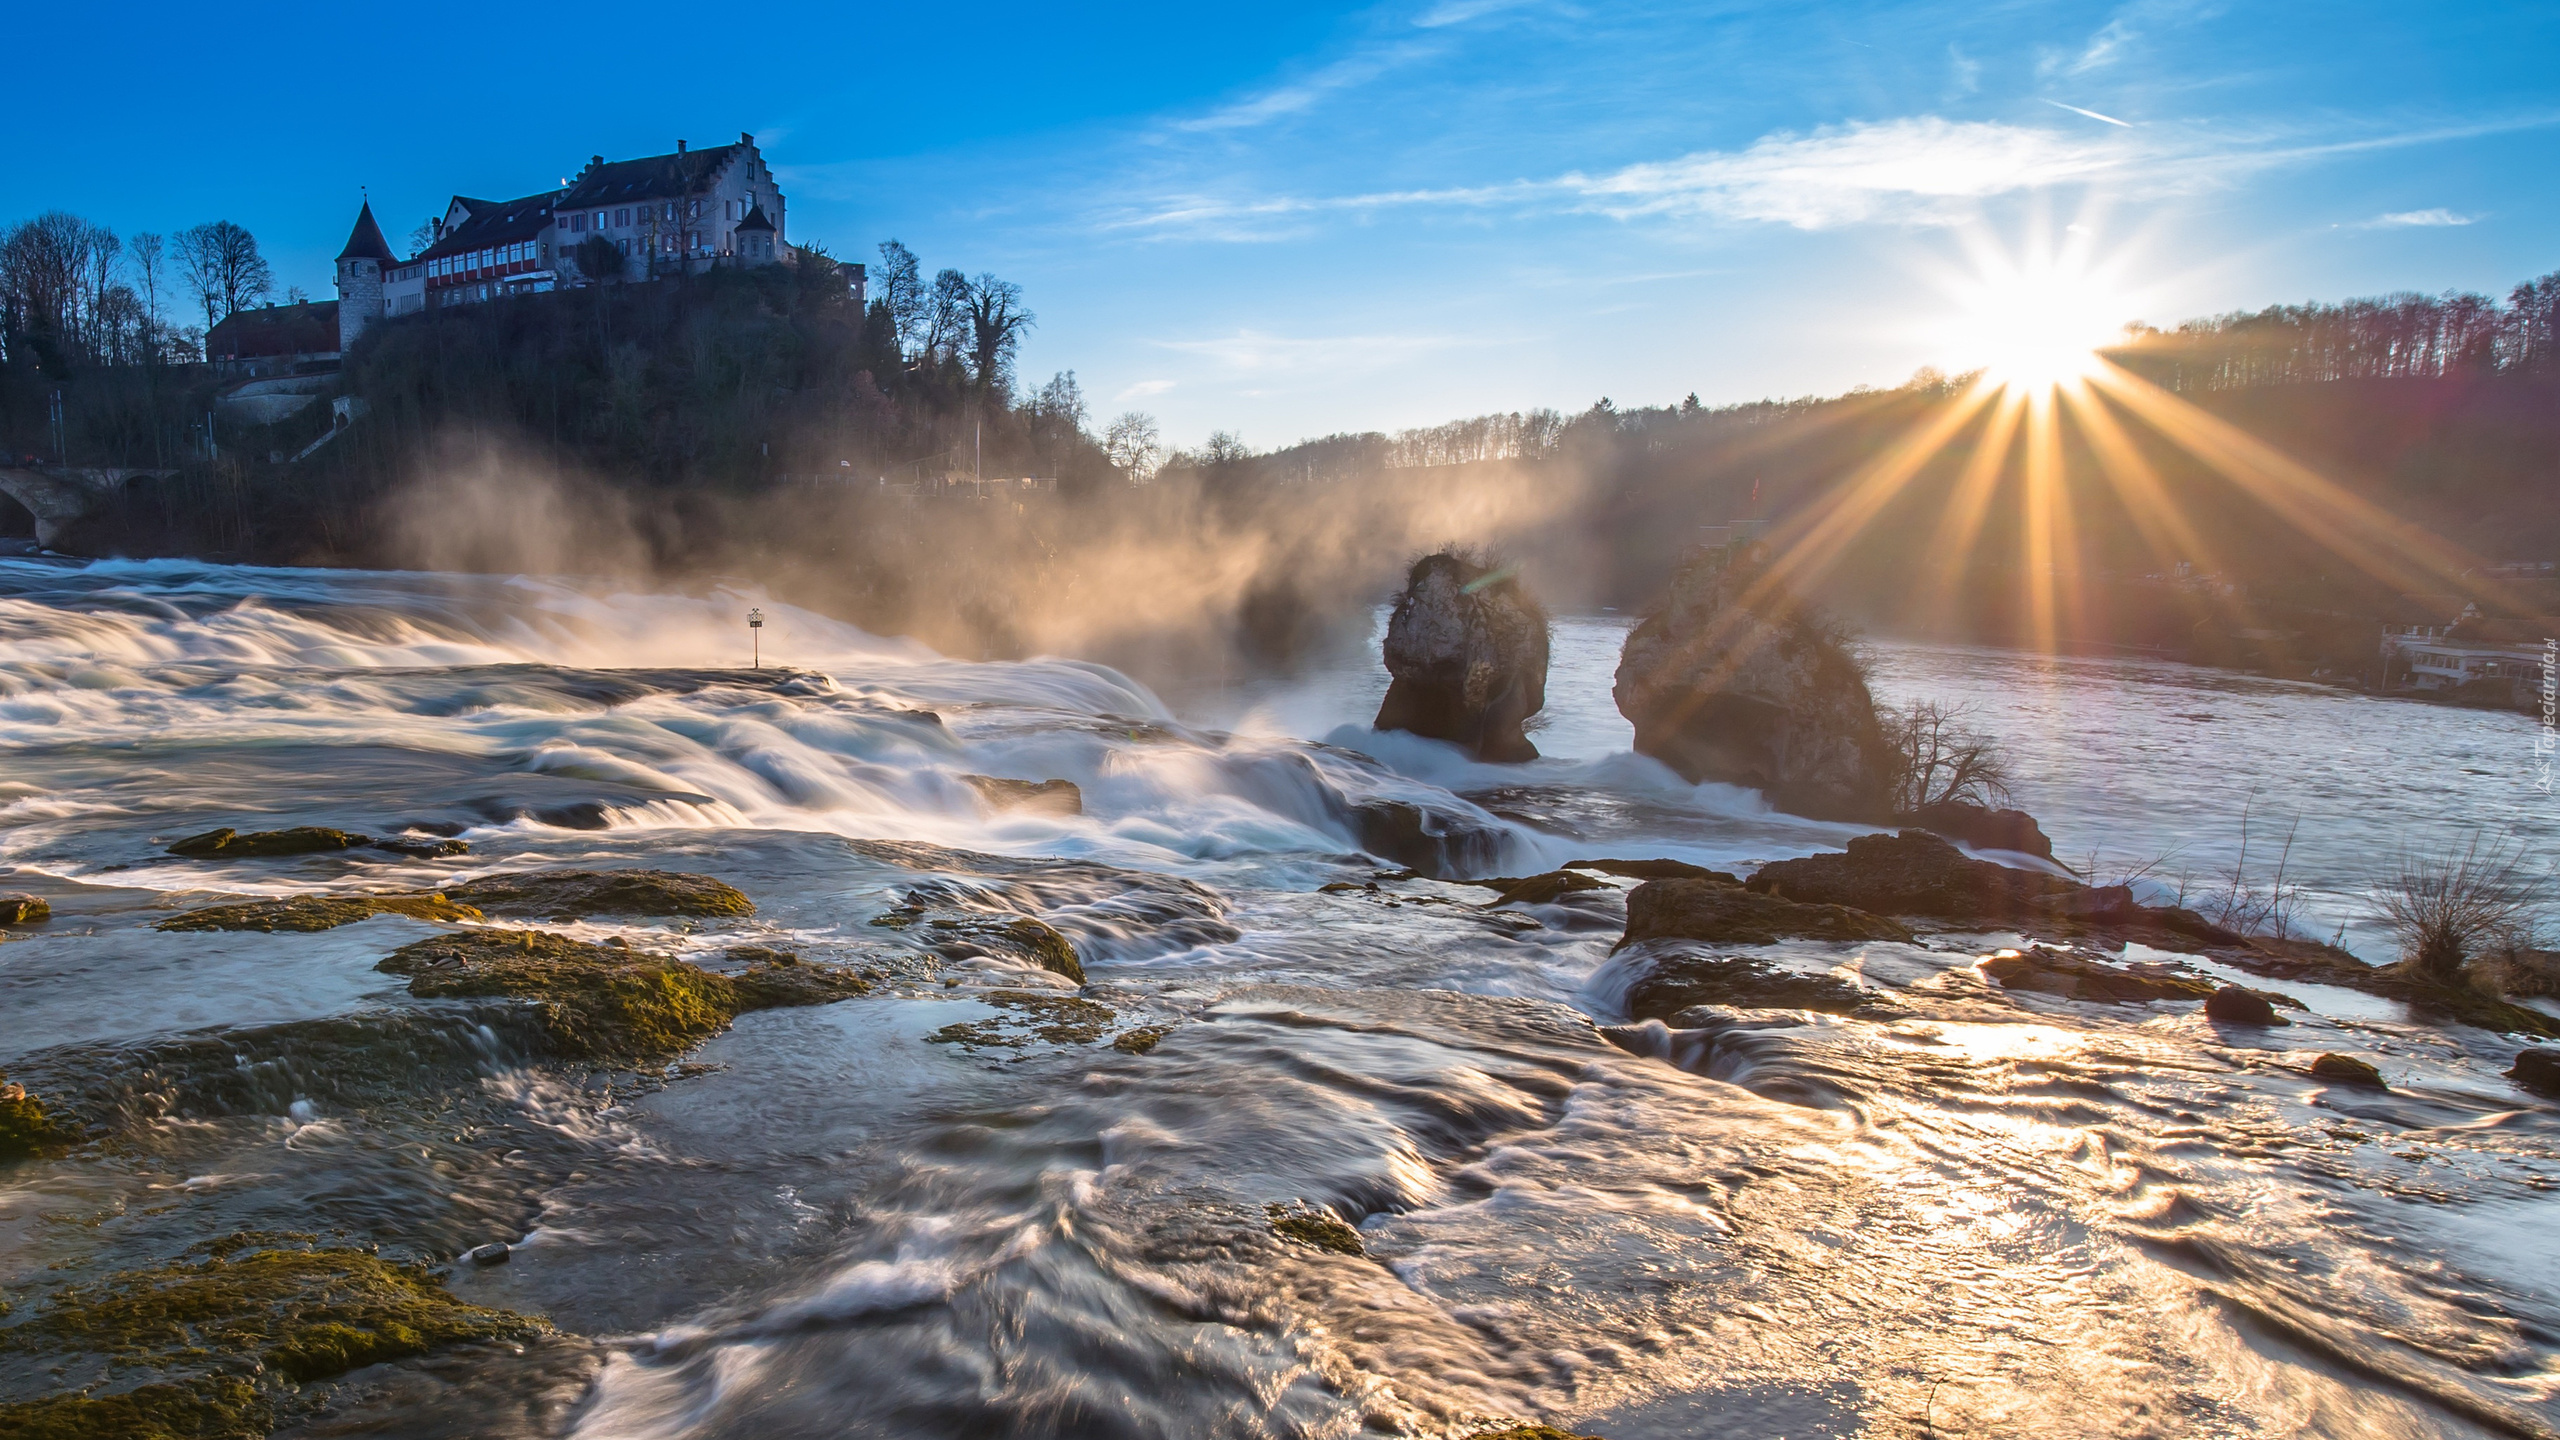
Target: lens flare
(2038,323)
(2053,448)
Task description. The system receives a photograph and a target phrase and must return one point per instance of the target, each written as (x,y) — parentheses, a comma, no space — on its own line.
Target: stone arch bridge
(58,495)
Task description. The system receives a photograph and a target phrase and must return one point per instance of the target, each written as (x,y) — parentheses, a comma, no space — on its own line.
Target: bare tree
(946,312)
(1134,443)
(996,323)
(2446,907)
(149,263)
(902,290)
(43,264)
(103,257)
(1939,762)
(1062,399)
(223,269)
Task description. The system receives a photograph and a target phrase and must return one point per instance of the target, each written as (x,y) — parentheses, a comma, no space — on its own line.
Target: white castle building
(665,214)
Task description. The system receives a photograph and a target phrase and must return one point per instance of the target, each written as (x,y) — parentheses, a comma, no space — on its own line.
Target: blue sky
(1286,220)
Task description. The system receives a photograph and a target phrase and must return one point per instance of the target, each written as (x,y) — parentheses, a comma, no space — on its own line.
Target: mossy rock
(302,914)
(26,1129)
(300,1314)
(1538,889)
(209,1407)
(2347,1070)
(1042,942)
(1035,1015)
(608,1001)
(2074,977)
(1021,936)
(229,844)
(1743,982)
(1141,1041)
(1310,1225)
(576,894)
(1718,913)
(2439,1000)
(23,910)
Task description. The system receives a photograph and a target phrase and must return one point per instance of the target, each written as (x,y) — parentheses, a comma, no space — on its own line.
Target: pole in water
(755,635)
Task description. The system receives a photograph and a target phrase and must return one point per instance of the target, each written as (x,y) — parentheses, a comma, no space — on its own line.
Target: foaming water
(980,1200)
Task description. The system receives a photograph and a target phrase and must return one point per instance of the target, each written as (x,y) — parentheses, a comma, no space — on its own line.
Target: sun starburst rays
(2049,438)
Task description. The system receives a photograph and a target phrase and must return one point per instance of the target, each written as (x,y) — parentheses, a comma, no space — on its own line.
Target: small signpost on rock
(755,635)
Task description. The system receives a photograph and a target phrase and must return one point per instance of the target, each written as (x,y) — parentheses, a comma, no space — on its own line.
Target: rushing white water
(920,1212)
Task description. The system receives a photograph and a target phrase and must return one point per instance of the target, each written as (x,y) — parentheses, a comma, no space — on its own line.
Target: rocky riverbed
(719,1052)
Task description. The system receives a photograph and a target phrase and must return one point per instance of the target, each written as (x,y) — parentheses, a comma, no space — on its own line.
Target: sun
(2037,321)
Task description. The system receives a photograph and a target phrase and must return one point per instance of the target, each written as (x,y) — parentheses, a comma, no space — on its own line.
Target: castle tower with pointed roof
(360,278)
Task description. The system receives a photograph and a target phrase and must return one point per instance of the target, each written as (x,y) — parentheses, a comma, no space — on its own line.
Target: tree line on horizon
(75,294)
(2406,336)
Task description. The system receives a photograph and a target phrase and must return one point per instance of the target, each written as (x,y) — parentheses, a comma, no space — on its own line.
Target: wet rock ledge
(1880,882)
(229,1338)
(610,1001)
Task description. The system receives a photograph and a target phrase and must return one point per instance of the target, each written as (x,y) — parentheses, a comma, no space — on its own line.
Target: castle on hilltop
(666,214)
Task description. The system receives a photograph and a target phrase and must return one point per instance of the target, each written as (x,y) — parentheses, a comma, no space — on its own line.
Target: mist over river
(980,1201)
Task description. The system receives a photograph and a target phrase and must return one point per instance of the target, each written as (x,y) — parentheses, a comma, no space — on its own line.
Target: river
(926,1212)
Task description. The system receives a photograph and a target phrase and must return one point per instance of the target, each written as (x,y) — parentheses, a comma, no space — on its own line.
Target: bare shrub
(1938,760)
(2452,906)
(2243,902)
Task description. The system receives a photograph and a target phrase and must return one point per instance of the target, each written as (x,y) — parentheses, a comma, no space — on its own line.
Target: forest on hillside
(761,425)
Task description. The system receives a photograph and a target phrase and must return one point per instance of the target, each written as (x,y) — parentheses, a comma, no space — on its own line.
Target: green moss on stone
(1309,1225)
(1140,1042)
(293,1314)
(575,894)
(230,844)
(302,914)
(1034,1015)
(608,1001)
(209,1407)
(1041,940)
(25,1128)
(23,909)
(2346,1070)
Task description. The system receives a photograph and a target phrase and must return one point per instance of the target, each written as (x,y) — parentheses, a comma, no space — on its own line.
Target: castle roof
(755,220)
(494,222)
(308,328)
(365,242)
(654,177)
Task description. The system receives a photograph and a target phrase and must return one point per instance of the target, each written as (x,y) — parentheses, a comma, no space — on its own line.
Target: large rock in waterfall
(1468,650)
(1735,679)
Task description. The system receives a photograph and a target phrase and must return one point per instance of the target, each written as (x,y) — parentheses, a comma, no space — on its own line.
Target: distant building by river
(679,213)
(2500,661)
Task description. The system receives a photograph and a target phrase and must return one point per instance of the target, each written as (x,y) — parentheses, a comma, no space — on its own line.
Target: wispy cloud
(2102,48)
(2437,216)
(1459,12)
(1920,170)
(1917,170)
(1964,73)
(1143,389)
(1299,96)
(1255,352)
(2092,114)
